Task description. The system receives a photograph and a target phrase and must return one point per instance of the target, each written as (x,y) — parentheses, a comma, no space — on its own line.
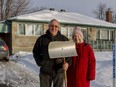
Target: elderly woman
(83,67)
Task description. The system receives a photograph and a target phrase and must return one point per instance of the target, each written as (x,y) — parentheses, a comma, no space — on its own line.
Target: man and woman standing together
(80,69)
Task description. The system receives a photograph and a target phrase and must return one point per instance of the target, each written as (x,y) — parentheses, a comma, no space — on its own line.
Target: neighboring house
(25,29)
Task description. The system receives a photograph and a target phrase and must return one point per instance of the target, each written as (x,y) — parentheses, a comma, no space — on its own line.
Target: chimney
(109,15)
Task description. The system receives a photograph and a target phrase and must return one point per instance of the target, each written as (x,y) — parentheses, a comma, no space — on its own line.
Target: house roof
(64,17)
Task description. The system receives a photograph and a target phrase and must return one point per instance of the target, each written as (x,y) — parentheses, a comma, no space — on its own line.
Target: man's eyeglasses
(54,26)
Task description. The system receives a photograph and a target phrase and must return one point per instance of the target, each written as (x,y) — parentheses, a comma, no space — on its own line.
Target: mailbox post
(114,64)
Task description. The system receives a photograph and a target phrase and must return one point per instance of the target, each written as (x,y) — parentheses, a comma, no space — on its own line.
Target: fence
(101,45)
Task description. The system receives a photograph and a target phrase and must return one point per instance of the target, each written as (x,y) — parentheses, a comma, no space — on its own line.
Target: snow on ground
(22,71)
(13,74)
(104,70)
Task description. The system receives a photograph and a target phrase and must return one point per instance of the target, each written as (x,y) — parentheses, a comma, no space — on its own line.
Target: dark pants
(47,80)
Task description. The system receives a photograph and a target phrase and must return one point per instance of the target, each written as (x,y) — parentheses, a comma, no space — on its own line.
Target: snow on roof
(64,17)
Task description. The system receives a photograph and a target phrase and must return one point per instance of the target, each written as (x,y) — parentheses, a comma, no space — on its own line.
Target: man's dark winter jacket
(41,56)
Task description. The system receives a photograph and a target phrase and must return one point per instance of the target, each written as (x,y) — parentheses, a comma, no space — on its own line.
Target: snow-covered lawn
(22,71)
(15,75)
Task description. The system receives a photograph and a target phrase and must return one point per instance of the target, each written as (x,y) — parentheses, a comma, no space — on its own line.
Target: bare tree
(114,18)
(100,12)
(10,8)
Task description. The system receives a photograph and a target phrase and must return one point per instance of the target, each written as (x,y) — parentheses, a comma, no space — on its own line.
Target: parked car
(4,50)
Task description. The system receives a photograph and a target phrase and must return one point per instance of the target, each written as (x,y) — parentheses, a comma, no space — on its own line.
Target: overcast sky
(85,7)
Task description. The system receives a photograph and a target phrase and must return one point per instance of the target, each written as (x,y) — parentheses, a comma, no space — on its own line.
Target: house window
(67,31)
(104,34)
(92,33)
(30,29)
(84,30)
(111,35)
(38,30)
(97,34)
(70,31)
(64,31)
(21,29)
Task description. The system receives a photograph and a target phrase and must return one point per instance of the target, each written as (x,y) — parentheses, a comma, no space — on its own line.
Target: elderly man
(51,70)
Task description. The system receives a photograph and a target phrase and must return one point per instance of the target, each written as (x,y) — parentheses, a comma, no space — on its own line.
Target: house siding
(26,43)
(21,43)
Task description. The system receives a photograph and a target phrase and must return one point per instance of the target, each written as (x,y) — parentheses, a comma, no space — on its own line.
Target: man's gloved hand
(65,66)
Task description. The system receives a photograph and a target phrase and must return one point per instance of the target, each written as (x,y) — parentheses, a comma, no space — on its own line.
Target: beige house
(23,30)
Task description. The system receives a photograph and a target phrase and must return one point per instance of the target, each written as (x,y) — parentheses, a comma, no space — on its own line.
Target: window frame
(33,29)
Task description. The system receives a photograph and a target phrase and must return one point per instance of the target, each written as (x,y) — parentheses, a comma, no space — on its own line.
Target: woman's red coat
(82,69)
